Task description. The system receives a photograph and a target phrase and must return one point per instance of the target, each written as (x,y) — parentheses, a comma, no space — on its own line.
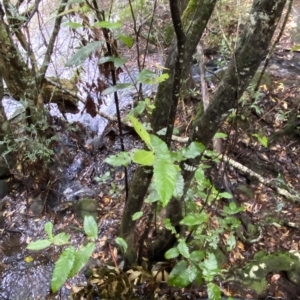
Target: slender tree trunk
(194,20)
(251,50)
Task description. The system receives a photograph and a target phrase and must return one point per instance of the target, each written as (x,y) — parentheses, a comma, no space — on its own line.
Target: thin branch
(52,40)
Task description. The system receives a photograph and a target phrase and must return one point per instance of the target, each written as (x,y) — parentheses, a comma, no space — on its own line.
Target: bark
(251,50)
(194,20)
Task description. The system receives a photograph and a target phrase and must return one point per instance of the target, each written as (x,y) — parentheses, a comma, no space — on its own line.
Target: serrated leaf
(38,245)
(179,276)
(127,40)
(141,131)
(193,150)
(81,258)
(165,175)
(108,24)
(62,268)
(82,54)
(121,159)
(197,256)
(137,215)
(220,135)
(49,229)
(115,88)
(213,291)
(122,243)
(194,219)
(90,227)
(143,157)
(183,249)
(178,192)
(61,239)
(171,253)
(159,146)
(210,267)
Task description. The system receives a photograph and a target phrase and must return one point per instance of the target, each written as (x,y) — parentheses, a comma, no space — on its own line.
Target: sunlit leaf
(143,157)
(220,135)
(141,131)
(61,239)
(225,195)
(193,150)
(159,146)
(83,53)
(90,227)
(81,258)
(38,245)
(262,139)
(62,268)
(178,191)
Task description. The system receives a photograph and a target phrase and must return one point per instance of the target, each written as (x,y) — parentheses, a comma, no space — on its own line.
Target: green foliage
(71,261)
(262,139)
(122,243)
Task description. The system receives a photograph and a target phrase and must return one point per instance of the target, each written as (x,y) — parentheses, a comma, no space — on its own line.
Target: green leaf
(108,24)
(137,215)
(143,157)
(179,276)
(210,267)
(62,268)
(213,291)
(169,226)
(165,176)
(159,146)
(38,245)
(115,88)
(81,258)
(171,253)
(225,195)
(231,242)
(194,219)
(220,135)
(90,227)
(82,54)
(121,159)
(61,239)
(193,150)
(262,139)
(122,243)
(72,25)
(118,62)
(178,192)
(145,76)
(183,249)
(49,230)
(141,131)
(197,256)
(127,40)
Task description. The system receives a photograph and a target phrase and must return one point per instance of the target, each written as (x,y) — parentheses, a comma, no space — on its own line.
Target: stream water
(26,275)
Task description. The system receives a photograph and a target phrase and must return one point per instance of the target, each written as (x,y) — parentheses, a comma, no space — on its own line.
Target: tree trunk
(194,20)
(251,50)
